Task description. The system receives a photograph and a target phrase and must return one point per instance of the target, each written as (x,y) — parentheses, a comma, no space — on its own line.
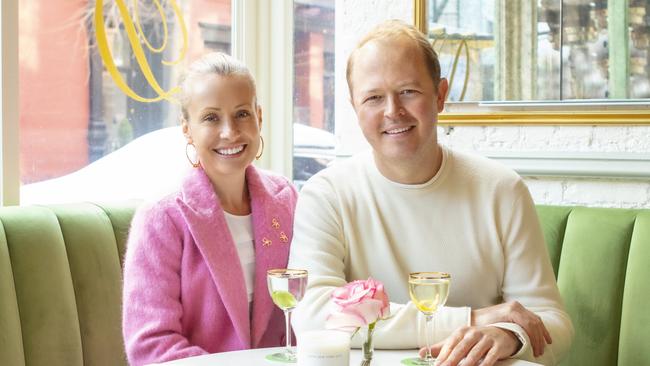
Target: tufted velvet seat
(60,283)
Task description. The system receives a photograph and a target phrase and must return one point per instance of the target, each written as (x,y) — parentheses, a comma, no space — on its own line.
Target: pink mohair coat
(184,290)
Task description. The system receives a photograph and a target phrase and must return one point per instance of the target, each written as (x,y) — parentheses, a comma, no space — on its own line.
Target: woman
(196,261)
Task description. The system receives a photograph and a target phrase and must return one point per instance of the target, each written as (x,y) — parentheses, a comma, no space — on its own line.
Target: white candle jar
(323,348)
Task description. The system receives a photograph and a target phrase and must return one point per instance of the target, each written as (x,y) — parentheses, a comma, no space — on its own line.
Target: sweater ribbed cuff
(525,351)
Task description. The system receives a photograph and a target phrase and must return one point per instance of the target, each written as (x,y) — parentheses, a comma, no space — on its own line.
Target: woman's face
(224,123)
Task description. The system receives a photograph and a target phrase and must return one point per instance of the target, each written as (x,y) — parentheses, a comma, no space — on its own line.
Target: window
(85,145)
(83,92)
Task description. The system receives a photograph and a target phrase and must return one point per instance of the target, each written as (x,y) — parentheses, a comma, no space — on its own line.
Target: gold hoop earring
(187,154)
(261,148)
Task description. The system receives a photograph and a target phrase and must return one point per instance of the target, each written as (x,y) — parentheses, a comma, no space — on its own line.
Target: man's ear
(441,95)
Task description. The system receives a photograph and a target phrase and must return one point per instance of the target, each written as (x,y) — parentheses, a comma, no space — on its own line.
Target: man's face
(395,100)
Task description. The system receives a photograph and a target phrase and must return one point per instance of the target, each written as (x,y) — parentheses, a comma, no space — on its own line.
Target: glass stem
(428,337)
(287,318)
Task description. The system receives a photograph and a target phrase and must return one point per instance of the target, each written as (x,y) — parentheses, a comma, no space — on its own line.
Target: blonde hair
(396,29)
(211,63)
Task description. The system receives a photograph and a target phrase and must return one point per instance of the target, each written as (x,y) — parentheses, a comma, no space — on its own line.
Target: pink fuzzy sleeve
(152,311)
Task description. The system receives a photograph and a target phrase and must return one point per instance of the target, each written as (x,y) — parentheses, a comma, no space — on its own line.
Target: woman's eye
(211,118)
(243,114)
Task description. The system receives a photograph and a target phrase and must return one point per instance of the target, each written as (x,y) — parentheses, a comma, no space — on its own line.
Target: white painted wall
(354,20)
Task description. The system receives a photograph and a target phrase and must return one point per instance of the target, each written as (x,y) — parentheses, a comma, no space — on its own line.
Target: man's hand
(514,312)
(473,344)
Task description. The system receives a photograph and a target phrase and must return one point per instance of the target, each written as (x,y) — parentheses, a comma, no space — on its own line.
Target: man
(412,205)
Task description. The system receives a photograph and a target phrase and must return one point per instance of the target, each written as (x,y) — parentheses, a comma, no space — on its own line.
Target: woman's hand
(473,344)
(514,312)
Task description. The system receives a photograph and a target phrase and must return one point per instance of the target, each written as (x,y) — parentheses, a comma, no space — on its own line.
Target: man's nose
(394,108)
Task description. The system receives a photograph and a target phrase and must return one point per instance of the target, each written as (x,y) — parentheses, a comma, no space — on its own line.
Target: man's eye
(408,92)
(372,98)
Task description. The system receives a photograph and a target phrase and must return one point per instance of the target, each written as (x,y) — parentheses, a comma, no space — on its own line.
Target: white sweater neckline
(434,181)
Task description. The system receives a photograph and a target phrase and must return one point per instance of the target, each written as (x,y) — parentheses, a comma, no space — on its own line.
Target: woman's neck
(233,195)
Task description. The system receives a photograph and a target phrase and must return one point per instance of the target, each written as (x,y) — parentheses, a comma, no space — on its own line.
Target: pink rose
(358,304)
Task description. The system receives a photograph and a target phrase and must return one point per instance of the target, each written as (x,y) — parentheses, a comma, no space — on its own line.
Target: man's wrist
(522,344)
(515,337)
(476,317)
(472,317)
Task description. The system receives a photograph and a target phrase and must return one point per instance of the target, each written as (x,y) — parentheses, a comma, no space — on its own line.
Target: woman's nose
(228,130)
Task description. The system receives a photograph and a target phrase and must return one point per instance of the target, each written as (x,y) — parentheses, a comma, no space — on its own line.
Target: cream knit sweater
(474,219)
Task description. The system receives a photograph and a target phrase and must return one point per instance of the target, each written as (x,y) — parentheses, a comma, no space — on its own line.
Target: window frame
(523,113)
(9,156)
(263,40)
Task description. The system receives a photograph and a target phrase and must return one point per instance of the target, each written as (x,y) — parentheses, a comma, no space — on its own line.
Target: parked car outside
(313,150)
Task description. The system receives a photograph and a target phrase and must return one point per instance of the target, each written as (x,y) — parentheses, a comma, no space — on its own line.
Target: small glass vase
(368,347)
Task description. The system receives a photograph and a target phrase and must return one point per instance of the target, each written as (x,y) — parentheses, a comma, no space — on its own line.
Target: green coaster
(415,361)
(281,357)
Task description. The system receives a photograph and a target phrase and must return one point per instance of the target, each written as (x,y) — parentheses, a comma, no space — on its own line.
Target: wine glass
(428,291)
(286,287)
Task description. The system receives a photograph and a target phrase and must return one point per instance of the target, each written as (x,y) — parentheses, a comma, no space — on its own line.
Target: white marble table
(255,357)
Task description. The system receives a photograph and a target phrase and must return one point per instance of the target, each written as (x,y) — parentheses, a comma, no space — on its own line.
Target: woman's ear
(259,116)
(185,127)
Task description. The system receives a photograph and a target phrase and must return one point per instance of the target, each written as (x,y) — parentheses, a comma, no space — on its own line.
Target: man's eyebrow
(369,91)
(400,85)
(409,83)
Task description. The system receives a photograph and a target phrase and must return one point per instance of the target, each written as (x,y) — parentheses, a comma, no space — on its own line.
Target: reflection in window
(313,87)
(546,50)
(71,110)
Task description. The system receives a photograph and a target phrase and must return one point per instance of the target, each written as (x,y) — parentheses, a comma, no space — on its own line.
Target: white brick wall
(565,190)
(633,139)
(354,18)
(590,192)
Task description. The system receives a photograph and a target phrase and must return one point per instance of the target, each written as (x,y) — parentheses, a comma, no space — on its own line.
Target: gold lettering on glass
(134,33)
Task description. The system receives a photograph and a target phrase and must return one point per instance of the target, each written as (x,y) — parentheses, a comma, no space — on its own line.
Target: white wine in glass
(428,291)
(286,287)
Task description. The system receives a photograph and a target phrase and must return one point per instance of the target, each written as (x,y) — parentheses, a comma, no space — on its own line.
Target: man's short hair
(395,29)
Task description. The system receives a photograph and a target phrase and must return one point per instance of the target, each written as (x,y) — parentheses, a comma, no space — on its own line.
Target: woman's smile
(231,152)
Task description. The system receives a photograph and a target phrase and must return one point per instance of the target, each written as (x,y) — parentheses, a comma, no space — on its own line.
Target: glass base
(283,357)
(417,361)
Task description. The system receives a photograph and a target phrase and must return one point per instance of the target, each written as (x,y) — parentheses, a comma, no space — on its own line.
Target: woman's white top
(241,229)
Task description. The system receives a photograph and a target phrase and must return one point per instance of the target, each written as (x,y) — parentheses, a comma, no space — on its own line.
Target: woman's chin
(228,166)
